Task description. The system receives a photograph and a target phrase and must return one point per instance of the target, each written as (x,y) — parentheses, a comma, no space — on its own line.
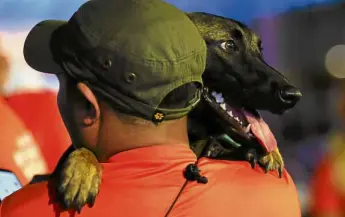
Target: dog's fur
(242,76)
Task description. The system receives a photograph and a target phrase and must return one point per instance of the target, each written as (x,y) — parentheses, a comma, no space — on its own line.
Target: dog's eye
(228,45)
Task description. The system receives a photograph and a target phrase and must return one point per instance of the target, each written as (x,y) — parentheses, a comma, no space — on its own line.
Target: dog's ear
(192,17)
(197,17)
(189,14)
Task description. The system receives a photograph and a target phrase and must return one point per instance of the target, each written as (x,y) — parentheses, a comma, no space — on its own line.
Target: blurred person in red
(328,183)
(38,110)
(19,150)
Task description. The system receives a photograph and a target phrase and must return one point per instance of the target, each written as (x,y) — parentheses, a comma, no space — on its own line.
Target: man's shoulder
(241,171)
(235,177)
(240,190)
(29,198)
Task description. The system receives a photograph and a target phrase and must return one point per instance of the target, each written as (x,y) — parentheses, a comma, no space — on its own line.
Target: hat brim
(37,47)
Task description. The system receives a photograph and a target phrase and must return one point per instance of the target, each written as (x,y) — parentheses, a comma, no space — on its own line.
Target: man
(19,150)
(129,72)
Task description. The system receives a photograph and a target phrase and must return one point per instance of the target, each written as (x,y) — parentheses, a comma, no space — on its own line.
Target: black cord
(191,173)
(178,195)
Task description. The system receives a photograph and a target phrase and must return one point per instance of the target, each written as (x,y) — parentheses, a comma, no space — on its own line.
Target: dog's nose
(289,95)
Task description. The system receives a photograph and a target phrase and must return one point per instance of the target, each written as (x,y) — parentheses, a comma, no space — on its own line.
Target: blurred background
(305,39)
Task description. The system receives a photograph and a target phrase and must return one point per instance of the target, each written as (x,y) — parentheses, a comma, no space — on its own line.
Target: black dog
(237,83)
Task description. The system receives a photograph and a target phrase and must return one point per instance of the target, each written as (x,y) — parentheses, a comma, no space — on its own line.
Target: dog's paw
(272,162)
(79,180)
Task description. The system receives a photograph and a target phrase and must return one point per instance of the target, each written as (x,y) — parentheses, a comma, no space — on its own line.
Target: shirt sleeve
(324,196)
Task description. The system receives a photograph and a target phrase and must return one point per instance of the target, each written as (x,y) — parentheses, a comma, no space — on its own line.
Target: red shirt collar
(155,152)
(146,161)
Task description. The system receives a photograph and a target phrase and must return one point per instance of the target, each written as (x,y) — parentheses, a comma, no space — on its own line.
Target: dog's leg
(213,148)
(77,177)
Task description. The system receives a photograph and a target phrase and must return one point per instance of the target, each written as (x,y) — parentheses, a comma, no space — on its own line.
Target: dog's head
(237,79)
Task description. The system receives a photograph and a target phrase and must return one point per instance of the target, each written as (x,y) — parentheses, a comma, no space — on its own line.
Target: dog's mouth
(246,122)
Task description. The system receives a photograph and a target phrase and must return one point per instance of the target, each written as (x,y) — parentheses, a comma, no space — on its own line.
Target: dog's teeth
(247,128)
(237,119)
(230,113)
(218,96)
(223,106)
(215,94)
(219,100)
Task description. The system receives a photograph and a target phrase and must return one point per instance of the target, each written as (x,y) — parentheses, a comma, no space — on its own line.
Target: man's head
(4,67)
(142,59)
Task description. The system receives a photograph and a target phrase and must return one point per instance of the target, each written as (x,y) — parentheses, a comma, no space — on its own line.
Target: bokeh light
(335,61)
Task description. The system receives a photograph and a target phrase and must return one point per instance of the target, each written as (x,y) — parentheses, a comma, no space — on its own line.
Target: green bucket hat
(133,52)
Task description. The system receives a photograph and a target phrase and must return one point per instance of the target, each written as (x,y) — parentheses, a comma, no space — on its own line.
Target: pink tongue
(262,132)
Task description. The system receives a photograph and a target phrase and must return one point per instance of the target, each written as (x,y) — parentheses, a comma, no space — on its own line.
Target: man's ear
(92,112)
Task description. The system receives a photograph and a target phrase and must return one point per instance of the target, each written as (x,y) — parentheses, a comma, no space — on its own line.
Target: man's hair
(178,98)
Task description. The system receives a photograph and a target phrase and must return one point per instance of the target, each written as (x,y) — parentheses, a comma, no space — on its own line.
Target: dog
(238,82)
(225,124)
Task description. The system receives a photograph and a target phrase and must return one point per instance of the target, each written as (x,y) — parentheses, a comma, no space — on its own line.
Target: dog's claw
(79,180)
(267,168)
(78,209)
(252,157)
(91,200)
(254,162)
(280,172)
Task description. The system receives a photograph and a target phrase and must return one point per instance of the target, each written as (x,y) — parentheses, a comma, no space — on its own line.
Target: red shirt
(19,150)
(324,195)
(145,181)
(39,112)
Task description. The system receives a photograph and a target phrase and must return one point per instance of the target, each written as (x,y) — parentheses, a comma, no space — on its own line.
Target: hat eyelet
(158,117)
(107,64)
(130,77)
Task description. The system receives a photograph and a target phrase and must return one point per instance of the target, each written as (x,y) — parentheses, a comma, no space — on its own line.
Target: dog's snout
(289,95)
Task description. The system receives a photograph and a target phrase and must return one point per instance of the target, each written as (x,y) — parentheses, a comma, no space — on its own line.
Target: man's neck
(117,137)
